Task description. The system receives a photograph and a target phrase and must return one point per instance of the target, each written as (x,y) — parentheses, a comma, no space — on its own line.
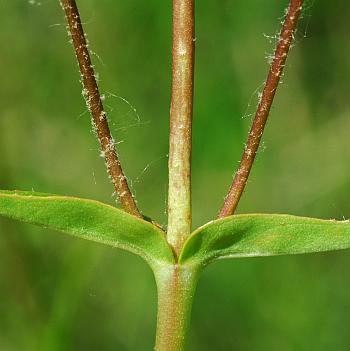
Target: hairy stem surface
(176,286)
(94,103)
(263,110)
(179,198)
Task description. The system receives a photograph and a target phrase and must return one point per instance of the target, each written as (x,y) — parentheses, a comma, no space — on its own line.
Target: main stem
(176,286)
(263,110)
(179,197)
(94,103)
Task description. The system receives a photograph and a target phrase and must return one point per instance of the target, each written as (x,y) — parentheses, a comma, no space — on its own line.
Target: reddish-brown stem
(94,103)
(262,113)
(179,197)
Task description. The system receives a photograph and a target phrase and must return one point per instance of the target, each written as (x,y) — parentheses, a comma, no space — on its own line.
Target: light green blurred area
(59,293)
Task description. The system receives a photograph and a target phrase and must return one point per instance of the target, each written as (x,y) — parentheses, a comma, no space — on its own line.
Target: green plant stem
(179,197)
(94,103)
(176,286)
(263,110)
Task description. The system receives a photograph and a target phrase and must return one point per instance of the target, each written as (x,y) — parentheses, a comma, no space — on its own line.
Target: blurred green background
(60,293)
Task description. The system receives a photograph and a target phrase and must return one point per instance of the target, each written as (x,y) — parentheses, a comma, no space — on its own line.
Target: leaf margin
(186,258)
(158,234)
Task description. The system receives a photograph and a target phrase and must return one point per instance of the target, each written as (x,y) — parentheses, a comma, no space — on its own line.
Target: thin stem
(179,198)
(94,103)
(176,287)
(263,110)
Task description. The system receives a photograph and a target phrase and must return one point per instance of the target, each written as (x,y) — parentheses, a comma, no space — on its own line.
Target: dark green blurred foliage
(56,293)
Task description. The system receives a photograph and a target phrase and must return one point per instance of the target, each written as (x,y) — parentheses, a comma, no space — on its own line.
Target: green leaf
(88,219)
(264,235)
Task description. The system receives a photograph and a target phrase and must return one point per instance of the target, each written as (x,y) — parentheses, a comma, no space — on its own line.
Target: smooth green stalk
(176,286)
(180,141)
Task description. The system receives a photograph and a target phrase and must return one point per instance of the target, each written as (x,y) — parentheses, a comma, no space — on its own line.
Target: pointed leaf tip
(264,235)
(88,219)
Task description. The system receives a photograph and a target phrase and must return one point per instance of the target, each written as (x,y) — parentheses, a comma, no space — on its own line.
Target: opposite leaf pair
(235,236)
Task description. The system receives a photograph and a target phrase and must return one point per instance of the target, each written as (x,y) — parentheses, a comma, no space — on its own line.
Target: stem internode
(179,197)
(176,285)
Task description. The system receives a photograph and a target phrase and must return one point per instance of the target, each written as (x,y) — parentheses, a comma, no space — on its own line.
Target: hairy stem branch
(179,198)
(263,110)
(94,103)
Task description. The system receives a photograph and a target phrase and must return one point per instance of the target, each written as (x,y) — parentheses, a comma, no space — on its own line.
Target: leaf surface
(88,219)
(264,235)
